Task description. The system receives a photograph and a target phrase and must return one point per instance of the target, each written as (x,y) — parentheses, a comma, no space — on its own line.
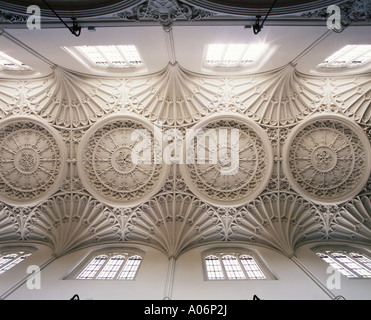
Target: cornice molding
(232,10)
(15,9)
(351,11)
(166,12)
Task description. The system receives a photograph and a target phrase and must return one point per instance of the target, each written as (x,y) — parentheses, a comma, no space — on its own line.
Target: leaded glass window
(232,266)
(108,266)
(9,259)
(351,264)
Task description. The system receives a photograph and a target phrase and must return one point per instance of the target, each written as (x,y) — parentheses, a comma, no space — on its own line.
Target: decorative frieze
(166,12)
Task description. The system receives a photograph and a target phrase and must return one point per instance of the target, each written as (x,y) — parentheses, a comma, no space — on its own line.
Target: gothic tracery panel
(106,165)
(31,160)
(236,160)
(327,158)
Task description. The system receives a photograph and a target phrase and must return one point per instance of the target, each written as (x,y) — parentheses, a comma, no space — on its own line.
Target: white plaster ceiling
(152,44)
(183,208)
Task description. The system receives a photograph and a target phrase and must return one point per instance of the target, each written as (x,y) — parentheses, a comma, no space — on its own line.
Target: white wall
(188,283)
(148,284)
(11,278)
(350,289)
(291,282)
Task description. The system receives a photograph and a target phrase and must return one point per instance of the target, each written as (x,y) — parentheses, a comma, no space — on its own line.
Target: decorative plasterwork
(173,97)
(178,97)
(32,160)
(106,165)
(65,222)
(9,17)
(67,100)
(228,7)
(282,97)
(166,12)
(174,222)
(80,10)
(351,11)
(351,95)
(281,221)
(327,159)
(350,221)
(243,161)
(271,109)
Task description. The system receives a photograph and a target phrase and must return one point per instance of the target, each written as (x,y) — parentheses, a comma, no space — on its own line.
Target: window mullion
(124,57)
(220,257)
(241,266)
(359,55)
(365,266)
(102,266)
(343,265)
(126,259)
(360,267)
(359,264)
(13,258)
(109,62)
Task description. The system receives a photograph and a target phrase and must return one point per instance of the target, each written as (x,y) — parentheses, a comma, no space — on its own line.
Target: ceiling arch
(275,106)
(175,218)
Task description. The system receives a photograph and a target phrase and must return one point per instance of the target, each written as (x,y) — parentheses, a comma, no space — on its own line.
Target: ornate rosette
(327,159)
(32,161)
(111,162)
(228,160)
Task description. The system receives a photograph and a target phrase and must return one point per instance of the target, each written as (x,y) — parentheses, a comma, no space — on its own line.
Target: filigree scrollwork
(351,11)
(166,12)
(10,17)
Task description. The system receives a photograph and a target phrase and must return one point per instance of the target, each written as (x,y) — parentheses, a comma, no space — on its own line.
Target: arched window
(350,263)
(111,265)
(8,259)
(234,264)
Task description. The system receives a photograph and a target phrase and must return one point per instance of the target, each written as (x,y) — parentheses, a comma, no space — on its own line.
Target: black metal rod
(269,12)
(257,26)
(76,30)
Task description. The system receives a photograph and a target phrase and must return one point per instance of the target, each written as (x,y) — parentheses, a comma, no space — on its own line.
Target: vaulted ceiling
(304,132)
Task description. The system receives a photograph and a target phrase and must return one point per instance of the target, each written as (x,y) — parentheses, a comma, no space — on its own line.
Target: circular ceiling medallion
(327,159)
(112,164)
(228,160)
(32,161)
